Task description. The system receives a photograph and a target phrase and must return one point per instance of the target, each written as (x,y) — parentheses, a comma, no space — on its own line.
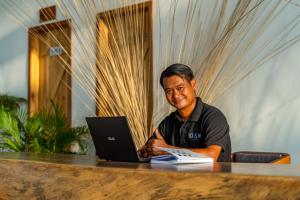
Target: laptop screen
(112,138)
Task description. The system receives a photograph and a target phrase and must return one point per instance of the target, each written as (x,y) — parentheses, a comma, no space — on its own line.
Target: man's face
(180,93)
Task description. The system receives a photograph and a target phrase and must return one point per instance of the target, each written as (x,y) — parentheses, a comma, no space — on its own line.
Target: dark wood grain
(43,176)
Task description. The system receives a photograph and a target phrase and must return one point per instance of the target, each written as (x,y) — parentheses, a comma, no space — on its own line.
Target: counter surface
(63,176)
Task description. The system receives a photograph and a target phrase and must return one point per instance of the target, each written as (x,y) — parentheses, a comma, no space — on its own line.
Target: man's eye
(168,92)
(180,88)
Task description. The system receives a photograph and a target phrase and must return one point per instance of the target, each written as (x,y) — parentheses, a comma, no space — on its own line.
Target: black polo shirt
(206,126)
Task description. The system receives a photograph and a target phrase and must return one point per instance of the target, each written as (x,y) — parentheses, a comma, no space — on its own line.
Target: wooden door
(49,67)
(125,41)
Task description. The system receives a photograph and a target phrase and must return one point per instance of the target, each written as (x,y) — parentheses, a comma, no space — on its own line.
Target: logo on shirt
(194,136)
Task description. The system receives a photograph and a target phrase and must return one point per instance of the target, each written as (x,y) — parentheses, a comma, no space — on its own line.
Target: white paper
(180,156)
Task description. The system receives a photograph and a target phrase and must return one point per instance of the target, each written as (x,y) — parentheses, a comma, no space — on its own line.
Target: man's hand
(159,141)
(150,148)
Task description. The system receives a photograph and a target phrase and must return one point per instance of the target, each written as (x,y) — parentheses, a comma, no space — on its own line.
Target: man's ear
(193,84)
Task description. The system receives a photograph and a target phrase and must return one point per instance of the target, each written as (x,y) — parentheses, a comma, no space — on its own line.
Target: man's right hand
(150,148)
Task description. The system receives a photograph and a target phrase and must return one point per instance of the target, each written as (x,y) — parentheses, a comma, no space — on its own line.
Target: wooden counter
(57,176)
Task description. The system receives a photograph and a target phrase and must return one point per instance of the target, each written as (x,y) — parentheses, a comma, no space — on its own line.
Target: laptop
(113,140)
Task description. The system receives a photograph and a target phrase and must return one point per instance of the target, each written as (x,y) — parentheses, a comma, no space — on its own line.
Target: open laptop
(113,140)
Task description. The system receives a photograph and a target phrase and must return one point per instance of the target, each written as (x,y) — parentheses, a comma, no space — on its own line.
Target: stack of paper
(180,156)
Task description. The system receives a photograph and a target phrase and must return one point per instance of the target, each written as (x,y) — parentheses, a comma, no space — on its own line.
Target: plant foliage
(11,103)
(44,132)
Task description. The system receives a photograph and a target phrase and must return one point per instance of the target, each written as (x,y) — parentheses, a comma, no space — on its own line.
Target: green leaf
(10,133)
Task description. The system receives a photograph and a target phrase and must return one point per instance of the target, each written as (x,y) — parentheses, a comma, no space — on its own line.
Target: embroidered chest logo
(194,136)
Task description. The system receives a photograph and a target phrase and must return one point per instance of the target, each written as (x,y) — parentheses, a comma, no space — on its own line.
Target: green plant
(11,103)
(44,132)
(11,137)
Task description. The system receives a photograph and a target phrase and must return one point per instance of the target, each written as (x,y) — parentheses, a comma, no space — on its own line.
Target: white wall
(263,110)
(13,57)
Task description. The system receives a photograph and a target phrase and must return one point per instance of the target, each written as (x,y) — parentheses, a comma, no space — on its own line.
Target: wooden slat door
(125,36)
(50,75)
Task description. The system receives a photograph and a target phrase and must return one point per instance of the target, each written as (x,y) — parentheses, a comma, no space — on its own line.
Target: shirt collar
(195,116)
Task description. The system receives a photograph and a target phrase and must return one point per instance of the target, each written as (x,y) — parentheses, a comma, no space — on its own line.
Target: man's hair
(179,70)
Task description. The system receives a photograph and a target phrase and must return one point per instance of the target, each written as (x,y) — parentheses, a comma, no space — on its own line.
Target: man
(194,125)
